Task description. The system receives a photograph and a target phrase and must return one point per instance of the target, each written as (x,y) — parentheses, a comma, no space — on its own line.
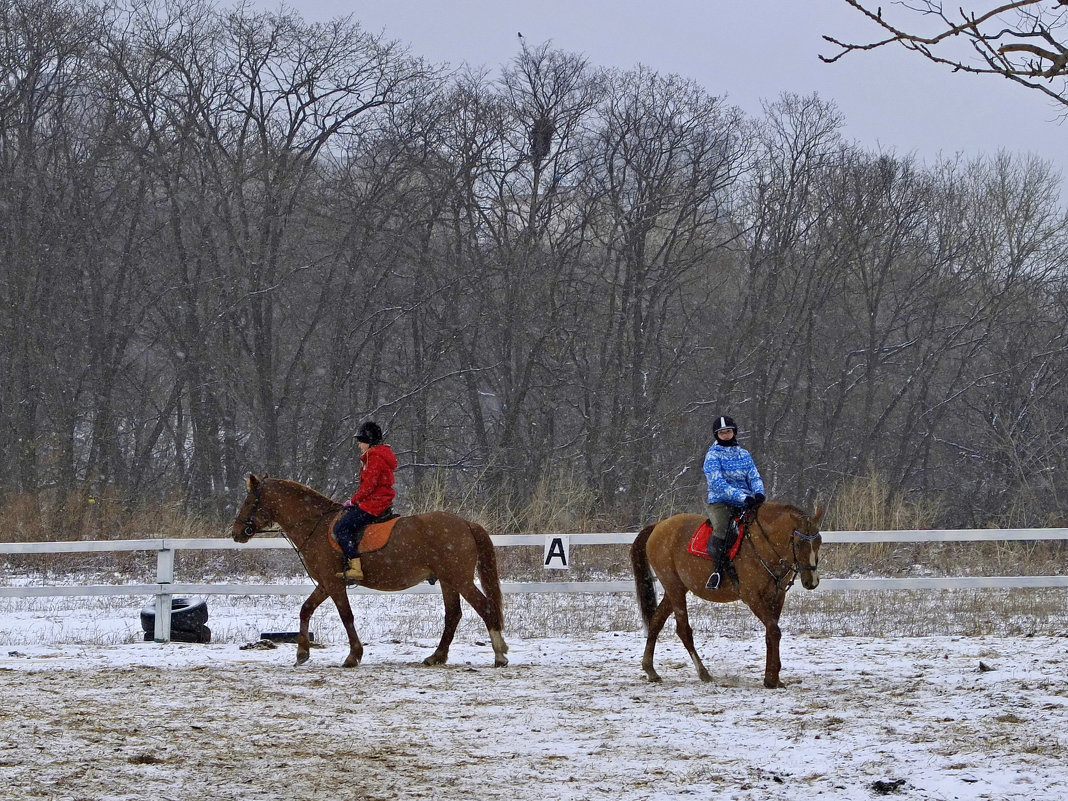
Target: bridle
(250,530)
(792,568)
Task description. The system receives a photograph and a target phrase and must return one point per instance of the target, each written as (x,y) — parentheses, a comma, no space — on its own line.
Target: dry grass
(561,503)
(869,503)
(80,517)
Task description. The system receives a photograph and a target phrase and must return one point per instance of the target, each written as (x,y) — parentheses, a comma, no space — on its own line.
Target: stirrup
(713,581)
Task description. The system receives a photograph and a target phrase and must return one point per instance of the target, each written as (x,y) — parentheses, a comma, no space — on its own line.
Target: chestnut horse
(780,542)
(433,544)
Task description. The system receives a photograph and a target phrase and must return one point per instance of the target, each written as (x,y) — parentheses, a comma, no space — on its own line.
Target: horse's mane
(296,486)
(790,508)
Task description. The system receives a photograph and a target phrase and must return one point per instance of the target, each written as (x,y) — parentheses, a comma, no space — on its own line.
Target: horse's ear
(819,515)
(253,482)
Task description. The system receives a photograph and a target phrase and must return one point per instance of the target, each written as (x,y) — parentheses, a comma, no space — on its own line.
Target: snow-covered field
(87,712)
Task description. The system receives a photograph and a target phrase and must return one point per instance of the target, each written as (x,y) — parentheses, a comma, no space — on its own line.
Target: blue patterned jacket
(732,475)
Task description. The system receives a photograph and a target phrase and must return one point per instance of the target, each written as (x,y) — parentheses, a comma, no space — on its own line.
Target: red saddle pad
(698,544)
(699,541)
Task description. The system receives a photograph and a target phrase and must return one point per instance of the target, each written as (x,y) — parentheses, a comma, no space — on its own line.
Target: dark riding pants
(348,530)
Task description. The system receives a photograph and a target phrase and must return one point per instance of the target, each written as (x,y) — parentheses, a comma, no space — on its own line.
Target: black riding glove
(758,499)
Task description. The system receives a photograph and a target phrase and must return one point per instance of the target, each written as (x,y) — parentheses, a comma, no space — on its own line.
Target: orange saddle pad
(374,537)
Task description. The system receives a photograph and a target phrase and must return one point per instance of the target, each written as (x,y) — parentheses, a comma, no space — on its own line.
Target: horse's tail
(643,575)
(489,577)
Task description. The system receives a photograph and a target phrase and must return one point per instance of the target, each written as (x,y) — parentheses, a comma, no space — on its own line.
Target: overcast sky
(748,50)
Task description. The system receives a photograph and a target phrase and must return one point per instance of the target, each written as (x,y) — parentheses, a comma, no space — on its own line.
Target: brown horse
(433,544)
(780,542)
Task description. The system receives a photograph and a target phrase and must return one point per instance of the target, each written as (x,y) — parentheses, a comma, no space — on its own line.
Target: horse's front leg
(772,638)
(772,665)
(767,608)
(344,611)
(306,610)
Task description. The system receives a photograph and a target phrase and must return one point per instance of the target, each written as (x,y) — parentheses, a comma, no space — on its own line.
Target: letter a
(556,553)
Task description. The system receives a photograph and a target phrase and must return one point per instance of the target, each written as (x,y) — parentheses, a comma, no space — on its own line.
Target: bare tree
(1025,41)
(51,142)
(666,157)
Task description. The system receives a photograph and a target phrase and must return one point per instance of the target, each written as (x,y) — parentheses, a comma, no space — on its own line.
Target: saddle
(698,544)
(375,535)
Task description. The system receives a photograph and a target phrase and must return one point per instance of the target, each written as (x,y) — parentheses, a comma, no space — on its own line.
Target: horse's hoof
(774,684)
(654,678)
(706,677)
(351,662)
(435,659)
(302,657)
(500,661)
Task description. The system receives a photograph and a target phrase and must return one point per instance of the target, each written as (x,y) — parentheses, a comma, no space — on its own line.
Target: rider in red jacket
(371,499)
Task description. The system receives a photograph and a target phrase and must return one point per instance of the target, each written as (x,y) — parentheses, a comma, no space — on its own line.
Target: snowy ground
(86,712)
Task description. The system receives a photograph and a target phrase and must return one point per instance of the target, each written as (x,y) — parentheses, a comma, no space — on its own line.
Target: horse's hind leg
(453,613)
(656,623)
(481,604)
(306,610)
(344,611)
(677,594)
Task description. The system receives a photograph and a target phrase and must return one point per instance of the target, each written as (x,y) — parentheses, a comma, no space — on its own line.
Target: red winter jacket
(376,493)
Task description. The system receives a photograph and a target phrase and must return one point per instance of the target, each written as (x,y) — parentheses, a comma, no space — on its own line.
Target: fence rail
(165,588)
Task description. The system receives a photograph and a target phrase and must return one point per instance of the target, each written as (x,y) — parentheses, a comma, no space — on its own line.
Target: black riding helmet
(725,422)
(722,422)
(369,432)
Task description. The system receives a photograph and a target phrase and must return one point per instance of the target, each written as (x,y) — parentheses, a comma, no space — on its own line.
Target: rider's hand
(758,499)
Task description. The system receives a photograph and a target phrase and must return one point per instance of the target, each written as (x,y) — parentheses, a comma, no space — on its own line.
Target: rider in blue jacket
(733,482)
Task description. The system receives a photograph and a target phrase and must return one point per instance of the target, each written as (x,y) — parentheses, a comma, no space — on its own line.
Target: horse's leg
(453,613)
(656,623)
(344,611)
(677,593)
(481,604)
(319,594)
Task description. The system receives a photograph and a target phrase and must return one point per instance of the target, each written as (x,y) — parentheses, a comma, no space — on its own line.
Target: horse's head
(805,542)
(252,517)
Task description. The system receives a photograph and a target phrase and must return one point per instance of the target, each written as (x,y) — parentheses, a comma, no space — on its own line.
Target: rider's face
(724,434)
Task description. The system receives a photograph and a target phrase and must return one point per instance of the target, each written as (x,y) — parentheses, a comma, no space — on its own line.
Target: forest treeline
(227,237)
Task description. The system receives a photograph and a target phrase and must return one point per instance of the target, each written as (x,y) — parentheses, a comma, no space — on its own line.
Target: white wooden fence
(165,587)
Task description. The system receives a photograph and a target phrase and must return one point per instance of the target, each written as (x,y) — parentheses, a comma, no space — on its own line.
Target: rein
(789,569)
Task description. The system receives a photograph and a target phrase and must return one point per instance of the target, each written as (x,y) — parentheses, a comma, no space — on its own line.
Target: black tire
(201,634)
(187,615)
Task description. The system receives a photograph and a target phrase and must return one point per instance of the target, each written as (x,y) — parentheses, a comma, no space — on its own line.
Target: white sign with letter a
(557,552)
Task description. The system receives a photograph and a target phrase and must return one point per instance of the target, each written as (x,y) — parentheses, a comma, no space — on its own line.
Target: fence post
(164,577)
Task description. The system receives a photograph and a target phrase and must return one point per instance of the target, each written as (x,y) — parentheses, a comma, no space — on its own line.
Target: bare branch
(1001,36)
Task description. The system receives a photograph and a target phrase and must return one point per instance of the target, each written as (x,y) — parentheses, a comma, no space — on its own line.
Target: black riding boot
(719,554)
